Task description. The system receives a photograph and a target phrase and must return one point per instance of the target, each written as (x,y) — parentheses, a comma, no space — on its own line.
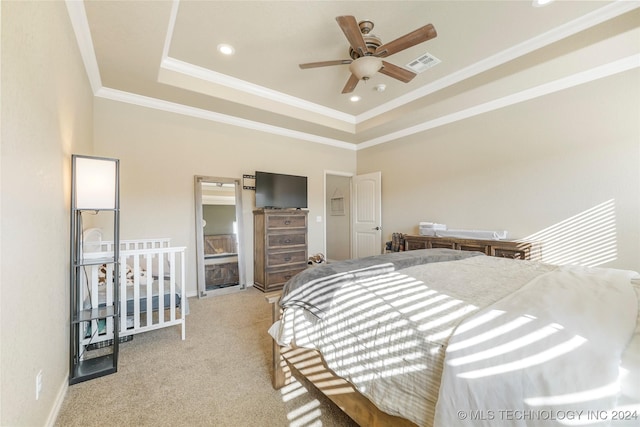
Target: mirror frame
(200,265)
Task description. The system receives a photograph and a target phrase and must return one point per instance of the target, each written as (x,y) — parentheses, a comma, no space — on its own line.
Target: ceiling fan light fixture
(365,67)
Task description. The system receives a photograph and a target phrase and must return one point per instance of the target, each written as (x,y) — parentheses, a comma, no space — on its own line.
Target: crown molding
(209,76)
(173,107)
(587,76)
(80,24)
(577,79)
(568,29)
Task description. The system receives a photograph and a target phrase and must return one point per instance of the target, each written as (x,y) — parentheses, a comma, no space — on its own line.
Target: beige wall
(161,152)
(46,116)
(338,226)
(526,169)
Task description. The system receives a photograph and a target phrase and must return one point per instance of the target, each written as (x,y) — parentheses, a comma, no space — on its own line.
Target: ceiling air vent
(425,61)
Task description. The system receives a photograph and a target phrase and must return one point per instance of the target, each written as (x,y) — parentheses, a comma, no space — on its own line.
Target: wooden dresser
(279,246)
(498,248)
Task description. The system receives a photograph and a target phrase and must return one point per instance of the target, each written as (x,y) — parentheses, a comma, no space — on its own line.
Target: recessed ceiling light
(226,49)
(540,3)
(355,98)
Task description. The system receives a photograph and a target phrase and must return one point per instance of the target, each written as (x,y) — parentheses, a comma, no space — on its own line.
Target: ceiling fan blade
(413,38)
(351,84)
(325,63)
(351,30)
(396,72)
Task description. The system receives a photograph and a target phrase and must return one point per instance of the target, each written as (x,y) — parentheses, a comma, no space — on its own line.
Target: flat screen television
(280,191)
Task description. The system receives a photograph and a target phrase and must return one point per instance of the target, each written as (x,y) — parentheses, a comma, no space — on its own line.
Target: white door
(367,215)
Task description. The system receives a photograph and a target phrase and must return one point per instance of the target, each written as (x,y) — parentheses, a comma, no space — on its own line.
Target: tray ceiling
(163,54)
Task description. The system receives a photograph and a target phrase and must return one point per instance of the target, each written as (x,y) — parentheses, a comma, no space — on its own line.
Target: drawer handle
(288,276)
(287,240)
(288,258)
(287,222)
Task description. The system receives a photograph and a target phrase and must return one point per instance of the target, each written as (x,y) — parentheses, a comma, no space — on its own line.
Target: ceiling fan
(366,50)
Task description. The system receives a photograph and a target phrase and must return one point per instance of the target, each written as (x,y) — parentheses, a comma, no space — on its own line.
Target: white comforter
(389,337)
(548,354)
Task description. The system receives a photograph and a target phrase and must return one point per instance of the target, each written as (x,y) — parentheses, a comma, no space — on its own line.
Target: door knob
(377,228)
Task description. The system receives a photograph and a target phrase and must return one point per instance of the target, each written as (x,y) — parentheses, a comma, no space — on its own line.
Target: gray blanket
(313,288)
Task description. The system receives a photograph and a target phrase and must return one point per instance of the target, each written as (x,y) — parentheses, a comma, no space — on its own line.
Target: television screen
(274,190)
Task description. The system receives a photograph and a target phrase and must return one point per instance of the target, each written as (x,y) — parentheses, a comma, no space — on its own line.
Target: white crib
(152,288)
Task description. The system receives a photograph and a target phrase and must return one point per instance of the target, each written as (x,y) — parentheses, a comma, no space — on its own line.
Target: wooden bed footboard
(308,367)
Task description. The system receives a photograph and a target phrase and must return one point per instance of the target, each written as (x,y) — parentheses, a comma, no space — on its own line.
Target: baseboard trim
(57,404)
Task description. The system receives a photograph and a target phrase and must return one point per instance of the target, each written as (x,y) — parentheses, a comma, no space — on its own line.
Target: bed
(152,289)
(439,337)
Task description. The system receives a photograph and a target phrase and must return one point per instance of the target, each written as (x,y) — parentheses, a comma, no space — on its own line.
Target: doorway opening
(337,216)
(353,215)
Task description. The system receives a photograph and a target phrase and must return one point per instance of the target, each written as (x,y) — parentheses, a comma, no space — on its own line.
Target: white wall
(526,169)
(161,152)
(46,116)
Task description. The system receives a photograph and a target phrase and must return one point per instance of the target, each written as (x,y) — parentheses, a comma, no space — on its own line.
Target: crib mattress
(155,303)
(155,297)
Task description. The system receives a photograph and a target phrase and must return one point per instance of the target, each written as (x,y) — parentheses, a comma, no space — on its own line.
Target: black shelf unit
(86,362)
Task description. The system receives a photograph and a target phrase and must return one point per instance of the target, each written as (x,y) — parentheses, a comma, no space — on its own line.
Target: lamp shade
(365,67)
(95,182)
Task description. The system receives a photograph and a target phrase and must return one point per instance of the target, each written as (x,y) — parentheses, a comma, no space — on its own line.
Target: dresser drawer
(412,245)
(422,242)
(274,278)
(286,239)
(442,244)
(284,258)
(474,247)
(286,221)
(510,253)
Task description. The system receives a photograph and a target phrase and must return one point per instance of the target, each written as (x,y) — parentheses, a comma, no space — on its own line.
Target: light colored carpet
(219,376)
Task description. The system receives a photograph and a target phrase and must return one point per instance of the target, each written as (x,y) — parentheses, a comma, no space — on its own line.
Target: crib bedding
(144,265)
(409,337)
(155,299)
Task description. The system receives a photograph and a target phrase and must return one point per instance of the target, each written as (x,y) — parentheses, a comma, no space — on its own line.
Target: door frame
(349,175)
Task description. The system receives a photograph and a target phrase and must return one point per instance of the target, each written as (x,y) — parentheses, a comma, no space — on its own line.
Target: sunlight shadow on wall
(587,239)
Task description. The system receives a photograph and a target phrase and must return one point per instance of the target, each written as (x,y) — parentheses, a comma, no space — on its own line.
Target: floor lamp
(94,190)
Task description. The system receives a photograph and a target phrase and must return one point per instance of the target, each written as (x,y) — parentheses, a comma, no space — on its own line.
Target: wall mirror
(219,233)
